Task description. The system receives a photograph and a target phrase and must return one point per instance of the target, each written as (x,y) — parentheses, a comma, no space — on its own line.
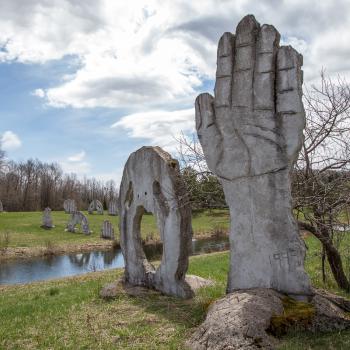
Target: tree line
(34,185)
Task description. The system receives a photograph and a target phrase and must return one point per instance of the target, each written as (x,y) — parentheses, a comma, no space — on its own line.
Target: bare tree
(321,184)
(2,160)
(203,187)
(34,185)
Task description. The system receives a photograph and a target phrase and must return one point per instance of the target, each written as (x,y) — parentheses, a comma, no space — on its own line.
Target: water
(43,268)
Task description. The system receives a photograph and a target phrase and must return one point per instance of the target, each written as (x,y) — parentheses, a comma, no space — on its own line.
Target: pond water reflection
(43,268)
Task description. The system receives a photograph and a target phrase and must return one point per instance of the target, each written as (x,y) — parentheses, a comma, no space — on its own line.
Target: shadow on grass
(186,312)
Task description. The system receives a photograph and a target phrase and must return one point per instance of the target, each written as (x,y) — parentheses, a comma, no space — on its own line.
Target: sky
(85,83)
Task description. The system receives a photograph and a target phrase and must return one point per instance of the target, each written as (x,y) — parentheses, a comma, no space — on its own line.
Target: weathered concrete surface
(47,219)
(152,182)
(113,208)
(97,206)
(251,133)
(69,206)
(78,218)
(107,230)
(241,319)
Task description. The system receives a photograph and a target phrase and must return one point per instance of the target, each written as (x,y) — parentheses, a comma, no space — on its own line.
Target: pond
(43,268)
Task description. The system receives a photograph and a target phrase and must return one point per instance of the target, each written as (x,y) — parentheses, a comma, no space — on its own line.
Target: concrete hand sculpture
(251,133)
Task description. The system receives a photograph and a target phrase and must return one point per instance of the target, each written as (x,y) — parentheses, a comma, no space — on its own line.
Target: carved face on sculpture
(151,182)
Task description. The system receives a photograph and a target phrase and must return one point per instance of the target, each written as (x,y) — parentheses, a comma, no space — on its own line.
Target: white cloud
(10,141)
(160,128)
(77,157)
(116,176)
(39,93)
(77,164)
(128,53)
(156,53)
(79,168)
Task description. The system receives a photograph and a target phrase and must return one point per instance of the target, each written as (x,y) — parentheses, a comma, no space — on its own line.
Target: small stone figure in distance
(47,219)
(107,231)
(78,218)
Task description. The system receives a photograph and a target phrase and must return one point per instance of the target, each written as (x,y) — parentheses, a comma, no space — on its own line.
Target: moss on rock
(296,315)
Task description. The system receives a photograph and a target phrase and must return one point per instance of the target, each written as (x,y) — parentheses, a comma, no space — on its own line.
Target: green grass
(313,262)
(324,341)
(68,314)
(25,231)
(320,341)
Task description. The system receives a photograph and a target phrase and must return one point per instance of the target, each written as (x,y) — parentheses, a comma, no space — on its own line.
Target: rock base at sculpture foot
(112,290)
(251,319)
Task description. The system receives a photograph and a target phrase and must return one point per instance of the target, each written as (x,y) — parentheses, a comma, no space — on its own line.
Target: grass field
(24,227)
(68,314)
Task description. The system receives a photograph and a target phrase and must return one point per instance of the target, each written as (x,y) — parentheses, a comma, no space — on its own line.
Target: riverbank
(22,237)
(104,245)
(52,249)
(79,319)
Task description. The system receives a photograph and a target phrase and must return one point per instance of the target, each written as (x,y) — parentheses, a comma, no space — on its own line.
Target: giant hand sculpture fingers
(290,109)
(207,129)
(257,104)
(251,133)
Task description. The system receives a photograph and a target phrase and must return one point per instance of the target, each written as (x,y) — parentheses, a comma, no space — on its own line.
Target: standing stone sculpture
(107,230)
(95,205)
(78,218)
(47,219)
(251,133)
(151,182)
(69,206)
(1,207)
(113,208)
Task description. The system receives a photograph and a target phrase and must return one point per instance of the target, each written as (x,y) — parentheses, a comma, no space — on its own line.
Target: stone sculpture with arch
(161,191)
(78,218)
(95,205)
